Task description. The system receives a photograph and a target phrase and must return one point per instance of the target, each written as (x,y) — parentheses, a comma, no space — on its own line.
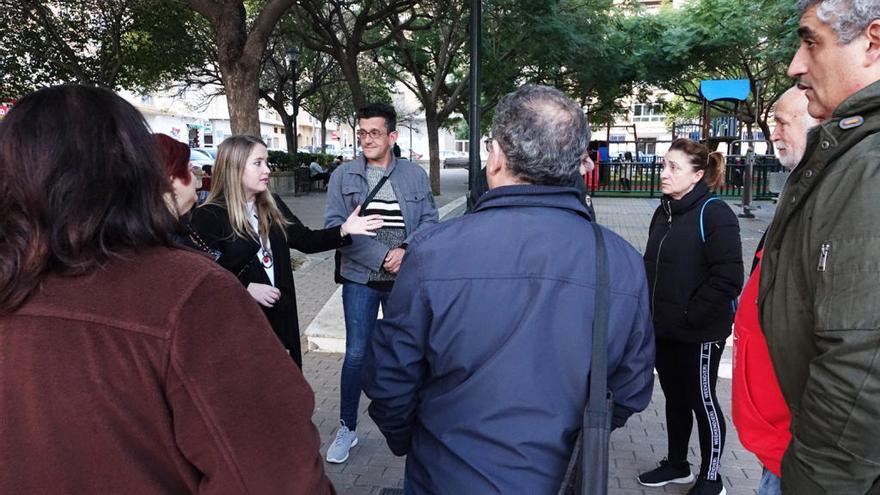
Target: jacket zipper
(823,256)
(668,210)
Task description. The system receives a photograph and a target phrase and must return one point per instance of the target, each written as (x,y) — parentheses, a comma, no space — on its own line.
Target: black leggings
(688,372)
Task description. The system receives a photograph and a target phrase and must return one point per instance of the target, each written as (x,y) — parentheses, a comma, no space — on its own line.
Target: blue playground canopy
(725,89)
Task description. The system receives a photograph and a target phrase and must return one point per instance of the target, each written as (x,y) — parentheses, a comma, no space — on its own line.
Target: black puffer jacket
(693,283)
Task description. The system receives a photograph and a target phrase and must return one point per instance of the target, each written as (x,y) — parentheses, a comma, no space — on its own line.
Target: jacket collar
(696,196)
(852,121)
(532,195)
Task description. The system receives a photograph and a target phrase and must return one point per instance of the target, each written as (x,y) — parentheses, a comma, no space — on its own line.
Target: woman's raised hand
(358,225)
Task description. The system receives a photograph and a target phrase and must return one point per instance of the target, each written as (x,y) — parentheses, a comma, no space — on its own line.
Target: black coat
(693,284)
(211,223)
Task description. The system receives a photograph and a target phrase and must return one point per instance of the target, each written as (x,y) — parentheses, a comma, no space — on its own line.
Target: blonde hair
(227,191)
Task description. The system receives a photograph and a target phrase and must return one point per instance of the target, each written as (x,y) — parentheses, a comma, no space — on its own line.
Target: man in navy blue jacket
(478,373)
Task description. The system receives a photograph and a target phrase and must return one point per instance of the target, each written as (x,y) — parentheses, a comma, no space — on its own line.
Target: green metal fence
(642,179)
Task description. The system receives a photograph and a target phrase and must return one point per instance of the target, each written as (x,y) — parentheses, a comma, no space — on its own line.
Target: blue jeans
(770,484)
(361,307)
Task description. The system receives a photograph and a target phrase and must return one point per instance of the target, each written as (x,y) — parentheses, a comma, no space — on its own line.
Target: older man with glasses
(397,189)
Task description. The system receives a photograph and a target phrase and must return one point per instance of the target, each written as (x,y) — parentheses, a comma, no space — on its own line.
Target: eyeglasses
(373,134)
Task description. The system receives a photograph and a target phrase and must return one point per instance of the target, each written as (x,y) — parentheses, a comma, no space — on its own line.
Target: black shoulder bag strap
(373,193)
(337,258)
(587,472)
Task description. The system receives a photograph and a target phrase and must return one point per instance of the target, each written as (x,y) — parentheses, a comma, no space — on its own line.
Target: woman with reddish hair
(175,159)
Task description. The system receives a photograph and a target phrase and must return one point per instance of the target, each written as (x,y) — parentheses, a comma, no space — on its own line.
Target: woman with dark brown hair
(695,273)
(128,364)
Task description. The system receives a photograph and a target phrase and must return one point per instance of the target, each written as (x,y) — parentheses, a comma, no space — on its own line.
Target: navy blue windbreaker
(478,372)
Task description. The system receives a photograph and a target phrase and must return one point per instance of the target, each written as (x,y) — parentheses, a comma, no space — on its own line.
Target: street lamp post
(293,66)
(474,144)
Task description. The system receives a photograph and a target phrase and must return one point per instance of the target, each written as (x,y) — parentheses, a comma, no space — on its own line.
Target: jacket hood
(533,195)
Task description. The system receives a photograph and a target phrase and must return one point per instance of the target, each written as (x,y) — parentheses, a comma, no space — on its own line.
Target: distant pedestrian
(317,172)
(205,188)
(128,365)
(253,230)
(819,295)
(626,171)
(400,192)
(478,372)
(695,273)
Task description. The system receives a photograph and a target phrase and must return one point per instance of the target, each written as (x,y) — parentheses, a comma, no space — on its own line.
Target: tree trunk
(239,53)
(242,96)
(324,135)
(353,78)
(433,125)
(295,136)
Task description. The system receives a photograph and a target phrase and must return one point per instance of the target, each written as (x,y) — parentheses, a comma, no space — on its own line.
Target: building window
(647,146)
(617,137)
(648,112)
(209,140)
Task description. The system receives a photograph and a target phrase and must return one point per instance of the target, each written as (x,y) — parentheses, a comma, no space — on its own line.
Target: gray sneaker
(337,453)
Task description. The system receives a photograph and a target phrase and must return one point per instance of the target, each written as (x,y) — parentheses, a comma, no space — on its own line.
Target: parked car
(200,158)
(456,162)
(410,154)
(349,153)
(212,152)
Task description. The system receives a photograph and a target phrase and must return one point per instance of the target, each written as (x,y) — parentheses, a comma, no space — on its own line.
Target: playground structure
(622,169)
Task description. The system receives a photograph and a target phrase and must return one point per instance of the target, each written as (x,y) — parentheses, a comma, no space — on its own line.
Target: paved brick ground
(635,448)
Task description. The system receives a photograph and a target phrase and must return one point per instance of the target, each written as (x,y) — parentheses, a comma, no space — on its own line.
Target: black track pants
(688,373)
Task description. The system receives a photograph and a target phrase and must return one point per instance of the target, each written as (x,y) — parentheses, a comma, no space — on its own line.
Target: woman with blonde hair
(252,230)
(695,273)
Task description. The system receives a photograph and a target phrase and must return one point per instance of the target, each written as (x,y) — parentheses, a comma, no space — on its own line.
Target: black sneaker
(707,487)
(667,473)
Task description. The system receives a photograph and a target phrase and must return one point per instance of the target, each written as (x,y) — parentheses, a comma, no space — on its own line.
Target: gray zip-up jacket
(348,189)
(819,303)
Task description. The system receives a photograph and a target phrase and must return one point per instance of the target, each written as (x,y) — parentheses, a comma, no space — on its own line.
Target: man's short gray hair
(543,133)
(847,18)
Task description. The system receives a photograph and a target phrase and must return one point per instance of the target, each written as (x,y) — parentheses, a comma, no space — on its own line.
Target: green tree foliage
(345,29)
(131,44)
(430,61)
(717,39)
(574,45)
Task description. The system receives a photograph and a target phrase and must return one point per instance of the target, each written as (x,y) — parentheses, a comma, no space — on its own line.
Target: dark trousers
(688,372)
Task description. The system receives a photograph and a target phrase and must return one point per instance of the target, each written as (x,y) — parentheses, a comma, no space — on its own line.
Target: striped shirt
(393,232)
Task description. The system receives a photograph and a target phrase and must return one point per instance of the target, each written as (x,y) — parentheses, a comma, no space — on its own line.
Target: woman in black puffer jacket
(695,273)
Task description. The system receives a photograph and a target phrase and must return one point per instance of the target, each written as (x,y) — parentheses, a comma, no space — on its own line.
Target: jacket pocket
(702,316)
(415,196)
(848,290)
(669,318)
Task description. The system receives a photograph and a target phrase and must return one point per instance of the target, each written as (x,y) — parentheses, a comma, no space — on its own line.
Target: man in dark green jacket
(819,297)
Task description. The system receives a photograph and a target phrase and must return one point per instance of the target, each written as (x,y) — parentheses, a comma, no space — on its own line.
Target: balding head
(542,133)
(792,123)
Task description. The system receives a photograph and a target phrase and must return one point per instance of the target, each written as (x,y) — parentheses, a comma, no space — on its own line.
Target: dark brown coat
(154,374)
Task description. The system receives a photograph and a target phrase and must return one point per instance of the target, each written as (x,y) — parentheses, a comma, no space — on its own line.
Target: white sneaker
(337,453)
